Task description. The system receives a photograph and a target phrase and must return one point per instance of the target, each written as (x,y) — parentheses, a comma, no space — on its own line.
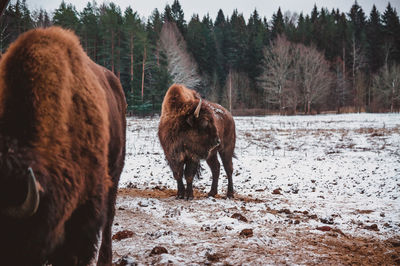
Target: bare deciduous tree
(358,62)
(277,69)
(386,86)
(181,66)
(315,77)
(295,73)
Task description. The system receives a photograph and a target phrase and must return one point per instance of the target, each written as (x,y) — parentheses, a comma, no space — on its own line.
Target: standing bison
(191,129)
(62,148)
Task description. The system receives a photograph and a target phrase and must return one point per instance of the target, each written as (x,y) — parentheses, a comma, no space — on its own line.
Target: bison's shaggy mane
(178,100)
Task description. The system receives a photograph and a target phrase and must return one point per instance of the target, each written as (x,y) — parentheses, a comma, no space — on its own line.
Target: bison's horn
(31,203)
(197,111)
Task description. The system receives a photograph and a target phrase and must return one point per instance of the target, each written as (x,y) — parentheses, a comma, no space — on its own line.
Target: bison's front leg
(181,189)
(177,169)
(190,171)
(212,161)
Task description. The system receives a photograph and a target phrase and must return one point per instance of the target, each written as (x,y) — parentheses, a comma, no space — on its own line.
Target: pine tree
(343,35)
(89,20)
(167,15)
(303,31)
(41,18)
(236,48)
(197,39)
(66,16)
(314,14)
(329,43)
(278,25)
(15,20)
(153,27)
(254,52)
(178,17)
(357,22)
(26,17)
(157,77)
(374,36)
(391,30)
(358,46)
(110,22)
(220,29)
(133,38)
(253,63)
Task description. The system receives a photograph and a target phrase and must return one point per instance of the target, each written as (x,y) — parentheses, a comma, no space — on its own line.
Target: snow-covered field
(292,175)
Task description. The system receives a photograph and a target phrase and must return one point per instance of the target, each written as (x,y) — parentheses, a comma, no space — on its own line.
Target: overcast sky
(264,7)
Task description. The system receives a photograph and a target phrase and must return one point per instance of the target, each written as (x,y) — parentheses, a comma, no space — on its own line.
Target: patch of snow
(336,170)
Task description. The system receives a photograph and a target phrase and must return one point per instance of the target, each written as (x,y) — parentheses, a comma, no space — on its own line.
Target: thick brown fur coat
(187,139)
(64,116)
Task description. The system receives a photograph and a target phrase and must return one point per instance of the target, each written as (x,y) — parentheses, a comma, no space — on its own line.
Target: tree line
(327,60)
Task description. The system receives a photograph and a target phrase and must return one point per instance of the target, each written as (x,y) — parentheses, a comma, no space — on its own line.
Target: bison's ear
(190,120)
(204,123)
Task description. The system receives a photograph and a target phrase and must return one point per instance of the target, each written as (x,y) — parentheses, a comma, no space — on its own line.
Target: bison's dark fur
(62,120)
(188,136)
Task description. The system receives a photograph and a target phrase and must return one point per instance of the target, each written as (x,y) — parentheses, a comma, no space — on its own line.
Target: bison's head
(19,195)
(203,133)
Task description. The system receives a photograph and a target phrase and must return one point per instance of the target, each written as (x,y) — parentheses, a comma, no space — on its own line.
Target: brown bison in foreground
(62,148)
(191,129)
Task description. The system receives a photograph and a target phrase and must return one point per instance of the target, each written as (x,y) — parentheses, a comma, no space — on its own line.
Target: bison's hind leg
(215,166)
(228,166)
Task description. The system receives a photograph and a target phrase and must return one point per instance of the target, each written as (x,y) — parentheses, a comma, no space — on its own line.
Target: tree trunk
(95,51)
(104,49)
(144,61)
(158,57)
(119,57)
(280,99)
(131,54)
(86,44)
(355,92)
(392,98)
(230,90)
(344,74)
(112,51)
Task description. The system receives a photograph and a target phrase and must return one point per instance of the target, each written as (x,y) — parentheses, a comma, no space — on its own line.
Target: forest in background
(327,60)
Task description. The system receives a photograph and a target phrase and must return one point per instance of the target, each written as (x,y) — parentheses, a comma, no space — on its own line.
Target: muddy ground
(290,241)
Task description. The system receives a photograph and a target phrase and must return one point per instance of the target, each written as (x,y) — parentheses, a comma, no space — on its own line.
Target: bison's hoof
(230,195)
(189,197)
(212,193)
(180,196)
